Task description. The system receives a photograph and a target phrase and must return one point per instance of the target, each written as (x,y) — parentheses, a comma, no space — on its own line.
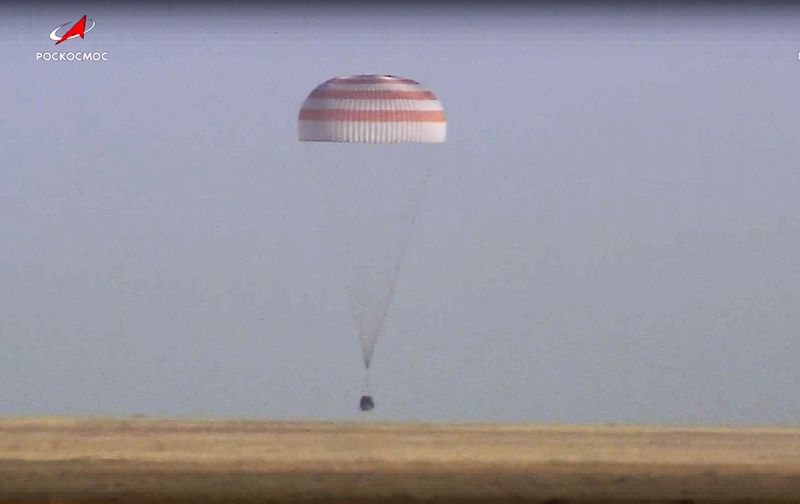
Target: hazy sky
(611,232)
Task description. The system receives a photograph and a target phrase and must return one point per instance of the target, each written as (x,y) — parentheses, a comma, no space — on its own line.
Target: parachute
(371,195)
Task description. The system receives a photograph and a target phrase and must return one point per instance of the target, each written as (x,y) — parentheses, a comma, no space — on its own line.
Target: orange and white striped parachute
(371,212)
(372,109)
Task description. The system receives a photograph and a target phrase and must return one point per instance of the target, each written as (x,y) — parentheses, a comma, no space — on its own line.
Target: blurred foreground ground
(140,460)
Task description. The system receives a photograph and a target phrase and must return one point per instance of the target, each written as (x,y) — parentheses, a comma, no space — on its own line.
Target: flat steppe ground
(141,460)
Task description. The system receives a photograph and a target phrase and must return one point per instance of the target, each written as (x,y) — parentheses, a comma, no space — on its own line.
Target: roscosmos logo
(78,29)
(67,31)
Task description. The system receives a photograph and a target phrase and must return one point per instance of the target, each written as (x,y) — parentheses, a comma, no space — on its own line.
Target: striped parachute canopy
(372,109)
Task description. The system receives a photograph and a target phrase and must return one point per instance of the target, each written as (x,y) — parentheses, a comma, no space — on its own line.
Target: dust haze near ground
(611,235)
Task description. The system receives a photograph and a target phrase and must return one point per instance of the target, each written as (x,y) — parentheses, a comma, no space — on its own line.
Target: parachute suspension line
(367,391)
(361,323)
(329,207)
(398,266)
(369,333)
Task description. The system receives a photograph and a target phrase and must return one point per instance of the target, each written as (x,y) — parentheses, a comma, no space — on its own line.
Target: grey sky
(611,233)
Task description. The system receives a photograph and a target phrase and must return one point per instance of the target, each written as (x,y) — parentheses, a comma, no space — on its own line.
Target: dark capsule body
(367,403)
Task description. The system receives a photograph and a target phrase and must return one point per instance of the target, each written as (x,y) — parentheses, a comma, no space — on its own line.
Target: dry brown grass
(72,460)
